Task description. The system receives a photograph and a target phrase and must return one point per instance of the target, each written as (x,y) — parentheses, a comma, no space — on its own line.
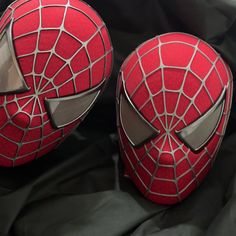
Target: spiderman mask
(173,102)
(55,58)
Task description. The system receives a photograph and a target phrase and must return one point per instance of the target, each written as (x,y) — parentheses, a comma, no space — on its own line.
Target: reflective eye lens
(137,130)
(11,79)
(66,110)
(197,134)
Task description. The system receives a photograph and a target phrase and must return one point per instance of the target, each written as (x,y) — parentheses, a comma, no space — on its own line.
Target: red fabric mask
(173,98)
(56,57)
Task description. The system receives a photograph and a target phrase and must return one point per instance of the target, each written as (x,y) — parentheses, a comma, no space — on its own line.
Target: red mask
(173,98)
(55,57)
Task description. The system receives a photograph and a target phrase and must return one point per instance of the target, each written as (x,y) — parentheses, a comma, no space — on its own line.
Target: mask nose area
(167,146)
(21,120)
(14,122)
(172,176)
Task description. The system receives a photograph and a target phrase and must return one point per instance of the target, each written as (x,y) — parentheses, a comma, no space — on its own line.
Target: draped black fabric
(79,189)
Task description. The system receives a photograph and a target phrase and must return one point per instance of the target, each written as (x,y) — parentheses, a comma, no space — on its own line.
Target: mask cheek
(12,133)
(21,120)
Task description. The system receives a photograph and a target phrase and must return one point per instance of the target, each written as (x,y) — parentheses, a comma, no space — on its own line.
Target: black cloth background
(79,189)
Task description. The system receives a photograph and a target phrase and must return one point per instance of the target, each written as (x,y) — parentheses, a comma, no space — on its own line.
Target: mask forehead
(167,85)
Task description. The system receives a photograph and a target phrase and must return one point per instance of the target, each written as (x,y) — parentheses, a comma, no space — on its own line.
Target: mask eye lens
(11,79)
(197,134)
(137,130)
(66,110)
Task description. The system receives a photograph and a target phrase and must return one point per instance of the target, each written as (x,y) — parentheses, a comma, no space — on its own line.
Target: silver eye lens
(66,110)
(136,129)
(11,79)
(197,134)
